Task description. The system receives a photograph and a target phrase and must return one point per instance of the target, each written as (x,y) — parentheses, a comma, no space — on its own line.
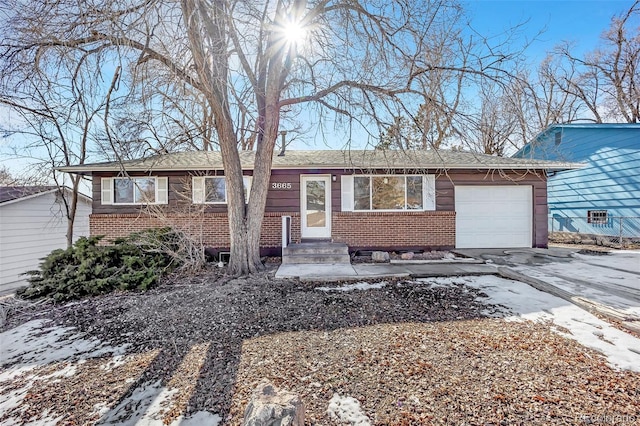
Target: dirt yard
(407,353)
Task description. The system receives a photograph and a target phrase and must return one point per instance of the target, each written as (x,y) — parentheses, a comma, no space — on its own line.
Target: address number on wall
(280,185)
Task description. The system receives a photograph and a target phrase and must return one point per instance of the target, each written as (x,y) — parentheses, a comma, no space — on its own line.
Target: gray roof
(328,159)
(10,193)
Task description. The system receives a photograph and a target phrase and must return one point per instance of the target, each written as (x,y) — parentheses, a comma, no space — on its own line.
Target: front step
(318,253)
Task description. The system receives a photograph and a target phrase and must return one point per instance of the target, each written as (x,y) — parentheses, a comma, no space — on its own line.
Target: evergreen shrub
(88,269)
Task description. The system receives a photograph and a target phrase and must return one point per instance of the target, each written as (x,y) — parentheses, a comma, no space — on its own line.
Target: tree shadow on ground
(174,318)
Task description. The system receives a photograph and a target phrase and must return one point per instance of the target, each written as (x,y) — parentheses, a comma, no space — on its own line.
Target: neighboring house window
(136,190)
(388,193)
(597,217)
(213,189)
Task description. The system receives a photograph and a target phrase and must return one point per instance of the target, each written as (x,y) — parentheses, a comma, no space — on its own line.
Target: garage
(493,216)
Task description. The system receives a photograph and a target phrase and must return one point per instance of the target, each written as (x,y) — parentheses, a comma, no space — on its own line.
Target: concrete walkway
(342,272)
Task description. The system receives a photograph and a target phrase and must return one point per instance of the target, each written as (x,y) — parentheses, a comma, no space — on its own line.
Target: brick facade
(360,230)
(214,227)
(425,229)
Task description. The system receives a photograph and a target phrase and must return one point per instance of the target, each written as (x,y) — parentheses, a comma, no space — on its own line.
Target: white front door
(315,206)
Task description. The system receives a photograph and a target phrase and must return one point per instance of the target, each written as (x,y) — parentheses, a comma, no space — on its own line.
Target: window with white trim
(213,189)
(135,190)
(388,192)
(597,217)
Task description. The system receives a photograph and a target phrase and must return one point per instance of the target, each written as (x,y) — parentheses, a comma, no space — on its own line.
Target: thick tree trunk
(239,261)
(246,249)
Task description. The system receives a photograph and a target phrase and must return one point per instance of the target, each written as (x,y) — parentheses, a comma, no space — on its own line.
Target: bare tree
(10,178)
(430,128)
(59,106)
(607,80)
(601,86)
(536,101)
(360,61)
(491,132)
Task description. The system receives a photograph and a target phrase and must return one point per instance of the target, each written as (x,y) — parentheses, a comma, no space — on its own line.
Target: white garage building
(32,224)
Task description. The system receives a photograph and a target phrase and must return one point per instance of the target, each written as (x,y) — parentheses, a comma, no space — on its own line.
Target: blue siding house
(603,197)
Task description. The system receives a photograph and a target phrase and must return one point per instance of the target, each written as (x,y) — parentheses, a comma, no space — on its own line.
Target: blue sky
(545,24)
(580,21)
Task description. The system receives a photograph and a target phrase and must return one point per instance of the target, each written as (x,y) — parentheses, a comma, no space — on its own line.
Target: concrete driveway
(608,283)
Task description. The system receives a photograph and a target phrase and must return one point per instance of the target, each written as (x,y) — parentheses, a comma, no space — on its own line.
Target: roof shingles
(10,193)
(328,159)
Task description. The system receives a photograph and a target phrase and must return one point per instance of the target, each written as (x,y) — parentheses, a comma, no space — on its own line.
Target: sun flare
(294,32)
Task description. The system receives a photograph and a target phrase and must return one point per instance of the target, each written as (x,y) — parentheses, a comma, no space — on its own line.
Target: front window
(362,193)
(388,193)
(215,188)
(134,190)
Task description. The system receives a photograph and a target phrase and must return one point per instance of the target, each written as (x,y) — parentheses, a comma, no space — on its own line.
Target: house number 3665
(280,185)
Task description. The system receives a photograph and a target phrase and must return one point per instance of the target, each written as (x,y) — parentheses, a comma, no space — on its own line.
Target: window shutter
(429,192)
(197,189)
(162,190)
(346,192)
(106,196)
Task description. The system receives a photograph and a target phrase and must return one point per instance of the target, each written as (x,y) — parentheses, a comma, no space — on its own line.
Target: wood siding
(610,179)
(287,201)
(31,229)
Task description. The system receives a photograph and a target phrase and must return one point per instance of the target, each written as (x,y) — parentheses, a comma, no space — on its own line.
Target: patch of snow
(11,401)
(33,344)
(147,405)
(101,409)
(357,286)
(628,260)
(143,407)
(67,371)
(347,409)
(524,302)
(36,344)
(115,362)
(443,281)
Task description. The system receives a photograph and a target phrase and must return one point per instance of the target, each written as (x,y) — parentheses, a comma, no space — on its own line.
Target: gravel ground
(410,354)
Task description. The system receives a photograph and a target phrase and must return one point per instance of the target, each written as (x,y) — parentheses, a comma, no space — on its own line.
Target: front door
(315,206)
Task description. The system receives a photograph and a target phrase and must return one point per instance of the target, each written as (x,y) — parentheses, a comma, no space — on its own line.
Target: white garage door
(493,216)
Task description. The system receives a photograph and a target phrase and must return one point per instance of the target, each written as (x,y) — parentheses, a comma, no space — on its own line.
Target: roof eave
(561,166)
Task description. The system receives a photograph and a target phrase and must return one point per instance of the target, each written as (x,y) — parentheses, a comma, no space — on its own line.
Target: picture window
(134,190)
(215,189)
(388,192)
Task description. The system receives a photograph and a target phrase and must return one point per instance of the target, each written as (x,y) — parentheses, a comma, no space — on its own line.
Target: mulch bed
(411,354)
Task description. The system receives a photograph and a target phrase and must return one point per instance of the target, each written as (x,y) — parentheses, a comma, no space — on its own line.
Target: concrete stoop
(316,253)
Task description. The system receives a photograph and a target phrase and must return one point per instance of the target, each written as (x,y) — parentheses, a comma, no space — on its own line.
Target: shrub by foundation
(88,269)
